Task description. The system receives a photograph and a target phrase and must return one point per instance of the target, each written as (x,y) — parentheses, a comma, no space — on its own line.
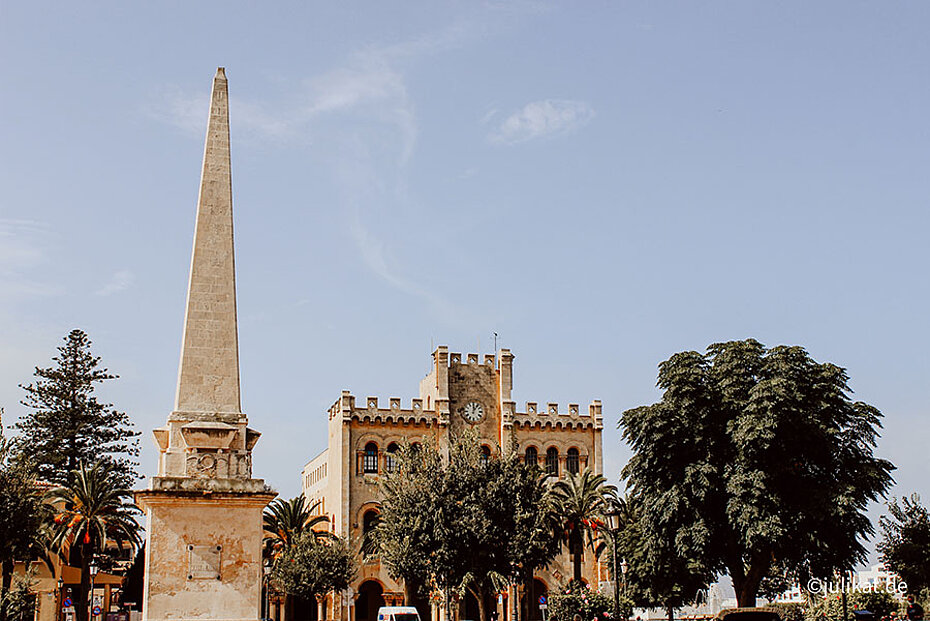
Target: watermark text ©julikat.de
(824,587)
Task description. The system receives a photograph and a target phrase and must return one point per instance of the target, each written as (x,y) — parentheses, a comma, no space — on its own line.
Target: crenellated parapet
(551,415)
(370,410)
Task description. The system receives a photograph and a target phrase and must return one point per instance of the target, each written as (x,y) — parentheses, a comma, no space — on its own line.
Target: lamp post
(59,598)
(623,569)
(266,571)
(93,578)
(613,525)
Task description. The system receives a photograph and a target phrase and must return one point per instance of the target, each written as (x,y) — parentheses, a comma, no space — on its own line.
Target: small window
(531,458)
(370,465)
(571,460)
(485,454)
(552,461)
(390,460)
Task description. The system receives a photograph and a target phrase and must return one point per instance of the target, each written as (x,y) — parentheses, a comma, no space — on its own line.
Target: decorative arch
(370,599)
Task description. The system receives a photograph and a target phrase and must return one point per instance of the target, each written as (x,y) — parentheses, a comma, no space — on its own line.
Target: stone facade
(458,392)
(203,509)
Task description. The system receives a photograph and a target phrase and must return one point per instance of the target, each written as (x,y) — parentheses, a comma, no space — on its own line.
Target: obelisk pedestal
(204,509)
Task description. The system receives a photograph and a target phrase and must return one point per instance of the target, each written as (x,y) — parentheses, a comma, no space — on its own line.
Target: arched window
(390,461)
(531,458)
(485,454)
(552,461)
(369,523)
(571,460)
(370,464)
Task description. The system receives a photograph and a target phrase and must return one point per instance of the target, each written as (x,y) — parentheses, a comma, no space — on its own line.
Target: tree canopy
(464,521)
(91,510)
(755,459)
(68,426)
(310,566)
(905,542)
(21,518)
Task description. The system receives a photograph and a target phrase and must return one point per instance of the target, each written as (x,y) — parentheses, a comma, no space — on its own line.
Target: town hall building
(457,393)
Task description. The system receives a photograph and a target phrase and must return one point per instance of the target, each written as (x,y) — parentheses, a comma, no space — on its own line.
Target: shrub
(579,599)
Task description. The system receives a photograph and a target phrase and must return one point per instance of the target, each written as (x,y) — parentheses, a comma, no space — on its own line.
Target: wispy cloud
(188,112)
(22,248)
(362,115)
(538,119)
(120,281)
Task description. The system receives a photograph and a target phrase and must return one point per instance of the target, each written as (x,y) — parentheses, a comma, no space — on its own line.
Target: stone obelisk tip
(208,378)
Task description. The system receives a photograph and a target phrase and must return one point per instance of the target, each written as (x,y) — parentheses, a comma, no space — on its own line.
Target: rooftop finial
(221,72)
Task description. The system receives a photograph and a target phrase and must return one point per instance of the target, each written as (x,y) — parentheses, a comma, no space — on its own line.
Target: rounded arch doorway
(370,598)
(531,604)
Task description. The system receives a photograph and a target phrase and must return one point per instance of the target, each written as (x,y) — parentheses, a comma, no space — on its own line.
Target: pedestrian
(915,611)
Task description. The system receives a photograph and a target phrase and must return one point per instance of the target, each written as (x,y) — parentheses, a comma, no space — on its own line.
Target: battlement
(442,356)
(369,409)
(536,414)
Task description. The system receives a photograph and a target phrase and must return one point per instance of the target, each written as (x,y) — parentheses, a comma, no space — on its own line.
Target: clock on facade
(472,412)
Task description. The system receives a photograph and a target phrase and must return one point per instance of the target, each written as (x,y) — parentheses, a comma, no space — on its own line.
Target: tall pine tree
(68,426)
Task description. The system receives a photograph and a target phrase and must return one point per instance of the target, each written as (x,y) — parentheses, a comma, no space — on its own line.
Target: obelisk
(204,509)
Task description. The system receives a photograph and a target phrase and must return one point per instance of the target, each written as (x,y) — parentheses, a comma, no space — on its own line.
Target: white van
(398,613)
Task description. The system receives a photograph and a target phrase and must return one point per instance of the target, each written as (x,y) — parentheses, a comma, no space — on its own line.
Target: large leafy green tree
(68,426)
(312,567)
(756,459)
(658,575)
(905,542)
(462,521)
(581,504)
(21,517)
(91,510)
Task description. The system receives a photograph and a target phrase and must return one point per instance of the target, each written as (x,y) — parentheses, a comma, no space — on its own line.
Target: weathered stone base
(203,554)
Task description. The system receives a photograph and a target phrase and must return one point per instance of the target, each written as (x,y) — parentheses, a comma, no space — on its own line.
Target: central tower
(204,509)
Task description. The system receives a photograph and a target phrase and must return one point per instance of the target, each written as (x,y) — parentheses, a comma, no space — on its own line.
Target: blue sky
(601,185)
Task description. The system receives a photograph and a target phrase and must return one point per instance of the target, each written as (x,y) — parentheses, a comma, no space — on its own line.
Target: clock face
(472,412)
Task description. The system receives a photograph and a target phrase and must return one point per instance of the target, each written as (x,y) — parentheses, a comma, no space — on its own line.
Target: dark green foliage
(311,567)
(91,510)
(462,522)
(67,426)
(21,517)
(18,602)
(658,575)
(577,598)
(754,461)
(905,542)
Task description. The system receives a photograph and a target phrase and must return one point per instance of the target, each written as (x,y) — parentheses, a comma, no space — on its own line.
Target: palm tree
(581,503)
(90,511)
(284,521)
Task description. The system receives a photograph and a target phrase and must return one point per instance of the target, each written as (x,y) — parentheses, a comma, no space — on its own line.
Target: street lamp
(623,569)
(613,525)
(266,569)
(93,577)
(61,585)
